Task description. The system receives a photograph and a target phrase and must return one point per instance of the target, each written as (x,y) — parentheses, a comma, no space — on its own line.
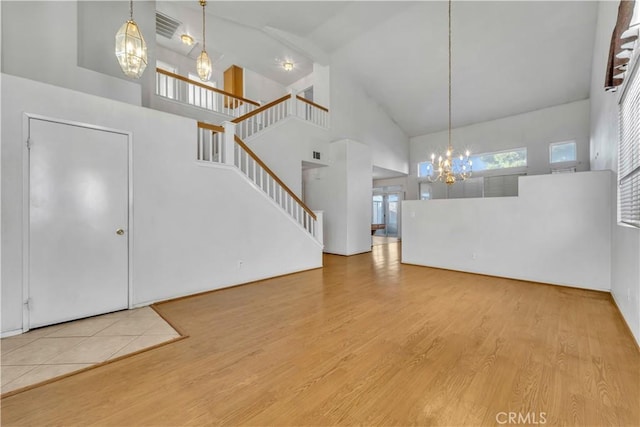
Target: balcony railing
(179,88)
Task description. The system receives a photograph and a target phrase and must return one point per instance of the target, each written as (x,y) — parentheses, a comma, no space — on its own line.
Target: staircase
(217,144)
(225,144)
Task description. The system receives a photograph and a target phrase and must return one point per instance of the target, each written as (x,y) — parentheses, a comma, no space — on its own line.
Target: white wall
(285,145)
(359,198)
(533,130)
(260,88)
(27,25)
(185,65)
(320,79)
(192,224)
(625,244)
(343,191)
(556,231)
(357,116)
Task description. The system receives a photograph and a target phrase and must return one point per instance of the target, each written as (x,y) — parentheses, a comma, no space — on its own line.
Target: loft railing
(179,88)
(275,111)
(221,145)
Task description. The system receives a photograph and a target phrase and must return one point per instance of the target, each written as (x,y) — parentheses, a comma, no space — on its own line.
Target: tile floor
(56,350)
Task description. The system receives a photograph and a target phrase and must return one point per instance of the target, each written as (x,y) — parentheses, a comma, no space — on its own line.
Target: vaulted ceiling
(508,57)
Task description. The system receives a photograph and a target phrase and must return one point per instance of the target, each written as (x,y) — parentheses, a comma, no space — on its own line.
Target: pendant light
(203,63)
(451,167)
(131,50)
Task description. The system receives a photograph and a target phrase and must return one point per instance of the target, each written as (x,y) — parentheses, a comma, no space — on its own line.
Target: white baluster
(212,147)
(255,178)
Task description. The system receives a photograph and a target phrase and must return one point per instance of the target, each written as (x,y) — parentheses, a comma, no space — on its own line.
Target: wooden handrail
(312,103)
(273,175)
(261,109)
(214,89)
(211,127)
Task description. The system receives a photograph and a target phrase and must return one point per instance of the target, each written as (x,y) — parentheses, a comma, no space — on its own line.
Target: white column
(228,142)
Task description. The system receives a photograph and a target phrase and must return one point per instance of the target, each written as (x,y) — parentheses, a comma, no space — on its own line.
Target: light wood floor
(365,341)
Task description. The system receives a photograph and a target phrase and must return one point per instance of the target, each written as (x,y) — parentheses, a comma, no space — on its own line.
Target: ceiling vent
(166,26)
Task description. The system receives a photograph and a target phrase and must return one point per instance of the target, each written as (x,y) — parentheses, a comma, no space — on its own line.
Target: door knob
(119,231)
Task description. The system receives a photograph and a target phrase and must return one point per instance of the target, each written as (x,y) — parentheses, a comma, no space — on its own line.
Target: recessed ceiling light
(288,66)
(187,39)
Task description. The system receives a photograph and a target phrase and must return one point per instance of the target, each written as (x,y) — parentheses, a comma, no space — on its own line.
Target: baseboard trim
(624,320)
(10,333)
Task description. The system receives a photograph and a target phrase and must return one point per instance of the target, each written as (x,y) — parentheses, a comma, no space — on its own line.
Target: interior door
(78,222)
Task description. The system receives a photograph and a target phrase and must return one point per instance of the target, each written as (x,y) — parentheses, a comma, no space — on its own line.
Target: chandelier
(451,167)
(131,50)
(203,63)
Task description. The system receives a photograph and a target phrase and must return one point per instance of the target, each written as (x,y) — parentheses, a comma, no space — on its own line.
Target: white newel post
(293,103)
(318,231)
(228,142)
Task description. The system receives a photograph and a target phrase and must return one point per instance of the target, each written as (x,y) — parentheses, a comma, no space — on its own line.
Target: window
(425,190)
(629,152)
(514,158)
(562,152)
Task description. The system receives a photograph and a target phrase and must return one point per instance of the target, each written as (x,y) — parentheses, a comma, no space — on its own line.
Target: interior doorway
(77,240)
(385,215)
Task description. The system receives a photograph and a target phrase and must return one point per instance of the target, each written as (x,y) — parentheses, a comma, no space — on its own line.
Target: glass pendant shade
(203,66)
(131,50)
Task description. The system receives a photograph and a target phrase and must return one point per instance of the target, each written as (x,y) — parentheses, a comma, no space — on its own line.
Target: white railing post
(228,142)
(318,229)
(293,104)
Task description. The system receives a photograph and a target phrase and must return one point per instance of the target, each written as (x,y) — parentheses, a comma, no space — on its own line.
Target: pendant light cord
(131,10)
(450,146)
(204,41)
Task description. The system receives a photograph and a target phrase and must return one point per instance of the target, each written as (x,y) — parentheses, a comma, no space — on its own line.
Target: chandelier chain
(450,145)
(204,41)
(131,10)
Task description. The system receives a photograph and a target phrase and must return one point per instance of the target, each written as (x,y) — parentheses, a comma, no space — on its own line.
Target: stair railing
(221,145)
(310,111)
(262,117)
(273,112)
(179,88)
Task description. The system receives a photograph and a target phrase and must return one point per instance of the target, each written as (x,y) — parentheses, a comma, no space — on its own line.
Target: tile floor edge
(171,323)
(97,365)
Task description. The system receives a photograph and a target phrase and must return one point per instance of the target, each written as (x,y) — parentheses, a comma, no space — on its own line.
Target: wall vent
(166,26)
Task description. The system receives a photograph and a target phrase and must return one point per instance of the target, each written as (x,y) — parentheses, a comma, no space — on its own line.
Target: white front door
(78,222)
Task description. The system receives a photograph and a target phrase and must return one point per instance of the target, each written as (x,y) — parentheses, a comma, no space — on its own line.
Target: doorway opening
(385,215)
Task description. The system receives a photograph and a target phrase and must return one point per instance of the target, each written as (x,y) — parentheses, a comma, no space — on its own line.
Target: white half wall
(192,224)
(625,243)
(556,231)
